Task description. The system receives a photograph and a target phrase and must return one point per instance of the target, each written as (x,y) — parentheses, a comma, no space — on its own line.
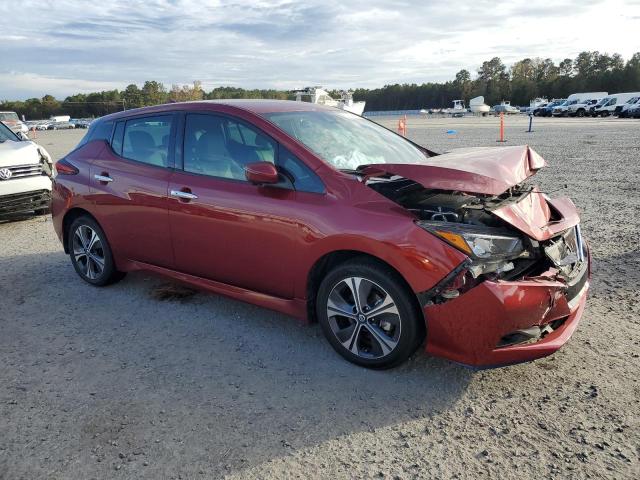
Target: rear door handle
(103,178)
(183,195)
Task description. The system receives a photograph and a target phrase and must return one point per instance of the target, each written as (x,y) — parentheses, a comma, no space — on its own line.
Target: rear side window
(99,130)
(116,140)
(146,139)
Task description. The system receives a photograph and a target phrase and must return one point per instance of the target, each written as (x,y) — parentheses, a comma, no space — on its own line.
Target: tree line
(524,80)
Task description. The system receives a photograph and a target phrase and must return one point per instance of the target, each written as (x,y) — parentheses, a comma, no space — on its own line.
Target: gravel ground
(115,383)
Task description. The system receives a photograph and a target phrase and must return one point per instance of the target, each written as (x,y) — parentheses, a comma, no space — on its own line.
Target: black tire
(405,333)
(108,274)
(580,112)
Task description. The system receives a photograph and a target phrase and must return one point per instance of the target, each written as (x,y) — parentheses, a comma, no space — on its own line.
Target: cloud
(25,84)
(63,45)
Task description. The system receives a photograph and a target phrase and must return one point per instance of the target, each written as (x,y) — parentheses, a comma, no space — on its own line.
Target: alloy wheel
(88,252)
(364,318)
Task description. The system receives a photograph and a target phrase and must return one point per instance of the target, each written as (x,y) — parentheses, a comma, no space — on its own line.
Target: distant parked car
(25,175)
(546,111)
(61,126)
(81,123)
(536,110)
(504,107)
(634,112)
(622,110)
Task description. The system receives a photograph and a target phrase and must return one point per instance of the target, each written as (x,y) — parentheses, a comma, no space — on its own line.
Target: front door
(223,227)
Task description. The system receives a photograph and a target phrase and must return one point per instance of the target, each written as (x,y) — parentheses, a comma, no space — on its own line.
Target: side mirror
(261,173)
(23,136)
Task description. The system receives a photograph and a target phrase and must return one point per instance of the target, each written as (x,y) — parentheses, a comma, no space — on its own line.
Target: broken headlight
(480,243)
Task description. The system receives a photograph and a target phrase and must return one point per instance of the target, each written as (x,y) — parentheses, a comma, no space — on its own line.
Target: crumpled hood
(486,170)
(19,153)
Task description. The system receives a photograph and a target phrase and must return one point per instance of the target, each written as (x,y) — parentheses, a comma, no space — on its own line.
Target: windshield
(602,101)
(9,117)
(6,134)
(345,140)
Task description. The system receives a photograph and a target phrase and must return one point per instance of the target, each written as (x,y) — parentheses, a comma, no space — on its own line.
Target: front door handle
(183,195)
(103,178)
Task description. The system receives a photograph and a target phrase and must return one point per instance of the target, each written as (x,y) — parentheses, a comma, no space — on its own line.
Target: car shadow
(117,376)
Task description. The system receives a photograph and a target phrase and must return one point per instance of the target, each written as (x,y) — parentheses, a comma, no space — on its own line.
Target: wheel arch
(330,260)
(68,219)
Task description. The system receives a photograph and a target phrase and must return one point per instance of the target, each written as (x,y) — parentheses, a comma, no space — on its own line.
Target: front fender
(420,258)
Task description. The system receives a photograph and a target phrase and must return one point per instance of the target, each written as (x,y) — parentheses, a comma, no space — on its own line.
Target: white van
(586,100)
(621,110)
(612,102)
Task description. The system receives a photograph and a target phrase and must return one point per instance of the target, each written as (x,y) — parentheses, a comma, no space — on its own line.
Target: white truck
(612,101)
(586,101)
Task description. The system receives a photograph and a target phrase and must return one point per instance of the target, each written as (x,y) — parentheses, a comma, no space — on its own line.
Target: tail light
(64,167)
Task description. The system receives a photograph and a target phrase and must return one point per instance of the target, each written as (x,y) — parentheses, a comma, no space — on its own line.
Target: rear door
(227,229)
(129,184)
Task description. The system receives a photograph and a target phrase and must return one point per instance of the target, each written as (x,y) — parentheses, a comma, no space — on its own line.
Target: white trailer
(60,118)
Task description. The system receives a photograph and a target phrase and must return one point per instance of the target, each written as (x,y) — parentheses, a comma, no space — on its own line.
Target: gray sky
(62,47)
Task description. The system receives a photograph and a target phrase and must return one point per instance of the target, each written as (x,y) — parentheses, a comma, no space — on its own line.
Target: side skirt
(294,307)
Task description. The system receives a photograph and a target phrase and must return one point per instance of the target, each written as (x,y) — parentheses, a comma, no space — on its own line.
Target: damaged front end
(520,292)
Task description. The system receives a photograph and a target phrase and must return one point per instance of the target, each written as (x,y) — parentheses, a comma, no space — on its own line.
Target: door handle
(183,195)
(103,178)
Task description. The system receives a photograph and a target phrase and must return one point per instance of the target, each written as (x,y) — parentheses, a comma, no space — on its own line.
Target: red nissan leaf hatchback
(323,215)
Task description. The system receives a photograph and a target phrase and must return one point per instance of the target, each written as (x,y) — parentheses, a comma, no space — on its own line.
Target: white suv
(582,108)
(25,175)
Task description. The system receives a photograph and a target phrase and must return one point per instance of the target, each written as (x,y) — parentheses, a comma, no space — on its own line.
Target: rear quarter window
(98,130)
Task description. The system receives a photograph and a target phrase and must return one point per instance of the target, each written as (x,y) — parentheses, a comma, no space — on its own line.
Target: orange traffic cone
(402,126)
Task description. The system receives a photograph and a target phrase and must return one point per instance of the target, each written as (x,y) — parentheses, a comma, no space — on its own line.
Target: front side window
(304,179)
(344,140)
(146,140)
(221,147)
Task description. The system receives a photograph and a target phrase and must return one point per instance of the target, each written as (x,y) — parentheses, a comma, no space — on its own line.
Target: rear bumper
(469,329)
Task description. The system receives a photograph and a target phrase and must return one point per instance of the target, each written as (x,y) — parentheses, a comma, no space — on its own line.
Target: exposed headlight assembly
(483,244)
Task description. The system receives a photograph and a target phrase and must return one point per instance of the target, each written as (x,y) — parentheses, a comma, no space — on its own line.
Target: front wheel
(368,315)
(90,253)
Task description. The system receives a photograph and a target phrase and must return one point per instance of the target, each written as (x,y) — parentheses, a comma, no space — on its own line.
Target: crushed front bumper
(471,328)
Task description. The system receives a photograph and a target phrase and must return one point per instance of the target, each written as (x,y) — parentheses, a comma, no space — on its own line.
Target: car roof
(255,106)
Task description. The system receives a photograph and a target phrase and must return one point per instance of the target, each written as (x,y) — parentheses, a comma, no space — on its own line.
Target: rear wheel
(90,253)
(580,112)
(368,315)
